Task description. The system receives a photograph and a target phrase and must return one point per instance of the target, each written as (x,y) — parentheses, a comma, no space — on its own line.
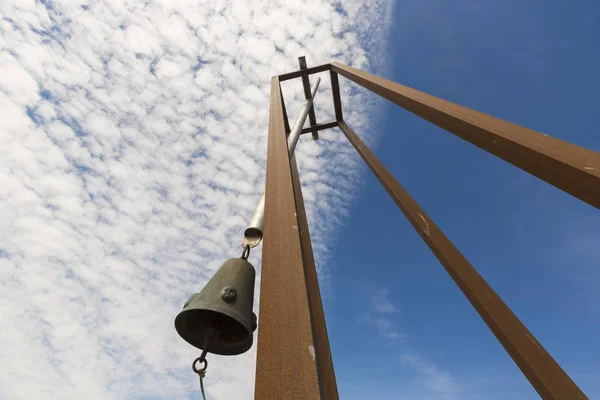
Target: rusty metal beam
(546,376)
(286,122)
(285,367)
(291,354)
(322,350)
(574,169)
(305,72)
(312,119)
(337,102)
(320,127)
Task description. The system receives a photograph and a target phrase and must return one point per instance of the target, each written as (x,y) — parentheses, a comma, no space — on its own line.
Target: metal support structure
(286,121)
(546,376)
(293,361)
(320,127)
(254,232)
(306,86)
(304,110)
(304,72)
(337,100)
(574,169)
(322,348)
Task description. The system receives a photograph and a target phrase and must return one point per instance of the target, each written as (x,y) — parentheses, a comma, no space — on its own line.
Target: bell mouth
(234,338)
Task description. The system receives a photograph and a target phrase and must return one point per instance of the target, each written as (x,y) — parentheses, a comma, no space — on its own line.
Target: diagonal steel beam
(574,169)
(322,349)
(546,376)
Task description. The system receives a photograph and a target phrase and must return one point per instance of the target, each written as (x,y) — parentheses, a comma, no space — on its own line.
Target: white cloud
(431,380)
(439,383)
(132,151)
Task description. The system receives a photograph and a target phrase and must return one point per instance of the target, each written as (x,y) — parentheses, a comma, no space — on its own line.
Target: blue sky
(533,63)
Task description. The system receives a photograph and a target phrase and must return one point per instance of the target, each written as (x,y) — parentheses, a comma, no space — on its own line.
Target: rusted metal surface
(305,72)
(320,127)
(290,347)
(574,169)
(322,349)
(312,119)
(546,376)
(286,121)
(337,101)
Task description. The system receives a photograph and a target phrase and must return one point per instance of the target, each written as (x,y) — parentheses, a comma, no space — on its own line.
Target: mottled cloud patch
(132,152)
(427,378)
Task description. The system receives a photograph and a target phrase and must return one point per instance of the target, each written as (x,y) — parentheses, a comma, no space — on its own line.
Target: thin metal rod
(254,232)
(297,128)
(546,376)
(288,344)
(312,118)
(574,169)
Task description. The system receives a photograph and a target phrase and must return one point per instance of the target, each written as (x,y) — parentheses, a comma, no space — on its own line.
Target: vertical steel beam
(289,364)
(337,101)
(254,232)
(306,86)
(286,121)
(574,169)
(285,365)
(546,376)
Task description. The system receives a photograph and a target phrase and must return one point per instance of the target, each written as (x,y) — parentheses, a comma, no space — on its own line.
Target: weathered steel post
(291,310)
(293,356)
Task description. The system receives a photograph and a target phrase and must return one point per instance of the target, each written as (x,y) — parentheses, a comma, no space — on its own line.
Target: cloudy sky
(133,139)
(132,151)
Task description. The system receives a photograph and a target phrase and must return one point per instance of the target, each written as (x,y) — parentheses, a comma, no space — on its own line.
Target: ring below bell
(224,305)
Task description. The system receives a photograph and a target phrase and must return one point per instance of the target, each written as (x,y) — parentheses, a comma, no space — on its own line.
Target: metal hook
(201,359)
(200,370)
(246,252)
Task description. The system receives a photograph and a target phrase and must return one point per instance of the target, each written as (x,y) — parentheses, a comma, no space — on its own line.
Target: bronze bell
(219,319)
